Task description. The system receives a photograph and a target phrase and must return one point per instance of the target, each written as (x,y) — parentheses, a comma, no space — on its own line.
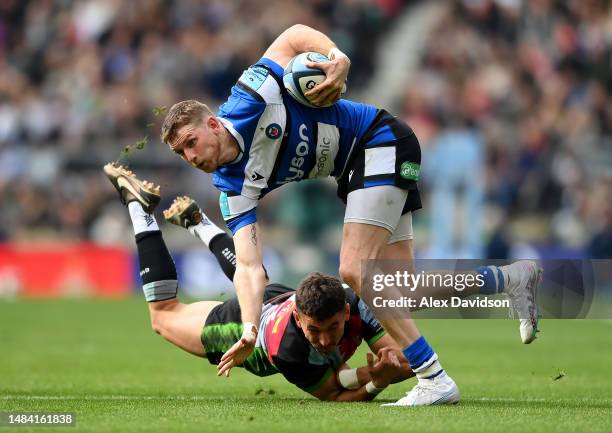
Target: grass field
(101,361)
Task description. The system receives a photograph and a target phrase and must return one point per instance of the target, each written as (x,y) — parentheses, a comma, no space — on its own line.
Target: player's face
(324,335)
(200,144)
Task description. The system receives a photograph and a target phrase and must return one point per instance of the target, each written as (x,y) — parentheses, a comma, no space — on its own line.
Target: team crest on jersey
(273,131)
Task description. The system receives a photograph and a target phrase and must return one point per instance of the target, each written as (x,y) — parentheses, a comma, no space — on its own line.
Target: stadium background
(511,101)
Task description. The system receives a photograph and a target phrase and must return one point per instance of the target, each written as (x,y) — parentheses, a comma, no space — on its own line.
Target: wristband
(249,330)
(348,378)
(372,389)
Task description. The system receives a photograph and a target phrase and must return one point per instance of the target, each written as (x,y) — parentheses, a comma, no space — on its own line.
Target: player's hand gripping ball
(299,78)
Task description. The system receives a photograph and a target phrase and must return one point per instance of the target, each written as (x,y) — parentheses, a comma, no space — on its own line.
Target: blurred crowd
(512,104)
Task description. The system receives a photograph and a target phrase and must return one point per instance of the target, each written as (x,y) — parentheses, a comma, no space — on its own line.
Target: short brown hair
(320,296)
(182,113)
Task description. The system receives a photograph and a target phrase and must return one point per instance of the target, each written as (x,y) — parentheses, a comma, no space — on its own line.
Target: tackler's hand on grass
(336,71)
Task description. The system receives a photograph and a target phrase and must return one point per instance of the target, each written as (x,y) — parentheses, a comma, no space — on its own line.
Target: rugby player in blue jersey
(261,139)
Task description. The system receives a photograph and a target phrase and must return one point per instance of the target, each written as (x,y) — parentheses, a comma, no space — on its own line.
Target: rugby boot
(427,392)
(131,188)
(521,282)
(184,212)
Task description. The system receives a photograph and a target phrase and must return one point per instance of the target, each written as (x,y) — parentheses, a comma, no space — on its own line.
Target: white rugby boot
(521,281)
(438,390)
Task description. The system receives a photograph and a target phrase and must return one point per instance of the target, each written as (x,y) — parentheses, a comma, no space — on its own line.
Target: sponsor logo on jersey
(322,156)
(410,170)
(328,139)
(301,152)
(273,131)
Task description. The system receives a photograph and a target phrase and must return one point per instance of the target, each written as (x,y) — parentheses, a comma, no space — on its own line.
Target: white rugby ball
(299,78)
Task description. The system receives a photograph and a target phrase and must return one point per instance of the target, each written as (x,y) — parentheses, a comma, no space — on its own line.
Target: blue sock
(418,353)
(493,280)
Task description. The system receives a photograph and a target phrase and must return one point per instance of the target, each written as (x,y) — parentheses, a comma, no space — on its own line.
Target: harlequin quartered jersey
(282,346)
(280,140)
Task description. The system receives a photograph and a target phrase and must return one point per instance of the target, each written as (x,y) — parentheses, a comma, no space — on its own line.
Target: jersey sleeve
(237,210)
(261,82)
(371,329)
(255,116)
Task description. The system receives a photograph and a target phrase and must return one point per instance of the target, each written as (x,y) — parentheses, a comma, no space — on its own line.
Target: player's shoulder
(276,293)
(351,298)
(261,83)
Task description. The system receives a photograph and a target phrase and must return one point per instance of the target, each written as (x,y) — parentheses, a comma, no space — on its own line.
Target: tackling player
(306,335)
(261,139)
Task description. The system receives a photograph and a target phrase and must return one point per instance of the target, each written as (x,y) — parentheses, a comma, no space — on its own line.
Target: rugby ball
(299,78)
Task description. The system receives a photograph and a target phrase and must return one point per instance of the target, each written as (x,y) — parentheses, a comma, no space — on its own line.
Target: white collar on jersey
(230,127)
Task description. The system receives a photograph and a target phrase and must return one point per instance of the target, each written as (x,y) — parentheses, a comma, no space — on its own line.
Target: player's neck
(229,148)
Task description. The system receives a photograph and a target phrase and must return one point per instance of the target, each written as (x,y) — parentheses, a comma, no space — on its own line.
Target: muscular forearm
(249,278)
(359,394)
(250,285)
(303,38)
(402,374)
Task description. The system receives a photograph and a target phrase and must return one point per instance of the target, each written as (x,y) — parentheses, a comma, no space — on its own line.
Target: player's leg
(372,215)
(519,280)
(361,241)
(178,323)
(185,212)
(402,249)
(181,324)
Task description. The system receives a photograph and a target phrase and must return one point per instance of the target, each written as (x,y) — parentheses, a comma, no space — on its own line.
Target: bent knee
(157,323)
(350,273)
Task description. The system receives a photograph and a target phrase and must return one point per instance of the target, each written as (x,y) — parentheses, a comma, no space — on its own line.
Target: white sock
(430,372)
(142,221)
(206,230)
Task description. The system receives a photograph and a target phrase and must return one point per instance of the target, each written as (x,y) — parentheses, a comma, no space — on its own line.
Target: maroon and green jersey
(281,346)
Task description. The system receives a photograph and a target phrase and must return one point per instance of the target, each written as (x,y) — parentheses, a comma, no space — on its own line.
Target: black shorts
(388,154)
(223,327)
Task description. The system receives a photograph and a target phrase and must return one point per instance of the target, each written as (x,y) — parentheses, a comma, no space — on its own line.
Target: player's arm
(299,39)
(250,282)
(354,378)
(331,390)
(379,371)
(387,343)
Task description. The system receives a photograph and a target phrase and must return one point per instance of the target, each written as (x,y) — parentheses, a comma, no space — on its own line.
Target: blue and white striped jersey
(280,140)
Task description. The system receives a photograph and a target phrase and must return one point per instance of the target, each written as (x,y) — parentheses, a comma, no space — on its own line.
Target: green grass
(102,361)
